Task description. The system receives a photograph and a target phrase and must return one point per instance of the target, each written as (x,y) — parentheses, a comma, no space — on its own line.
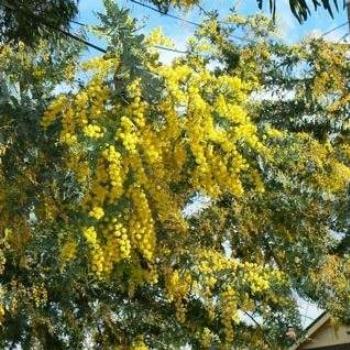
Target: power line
(164,13)
(152,9)
(237,37)
(160,47)
(100,49)
(334,29)
(169,49)
(78,23)
(182,19)
(343,38)
(76,37)
(339,42)
(62,31)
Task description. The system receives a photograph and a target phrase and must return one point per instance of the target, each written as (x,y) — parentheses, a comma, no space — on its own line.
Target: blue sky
(290,29)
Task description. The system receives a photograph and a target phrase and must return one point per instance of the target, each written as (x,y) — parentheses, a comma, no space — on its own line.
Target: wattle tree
(101,161)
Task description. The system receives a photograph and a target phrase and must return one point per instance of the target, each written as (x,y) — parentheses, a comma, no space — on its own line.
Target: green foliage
(28,21)
(263,134)
(302,104)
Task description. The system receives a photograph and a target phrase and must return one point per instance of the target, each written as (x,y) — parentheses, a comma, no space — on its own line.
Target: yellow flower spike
(90,234)
(157,37)
(139,345)
(97,213)
(93,131)
(68,251)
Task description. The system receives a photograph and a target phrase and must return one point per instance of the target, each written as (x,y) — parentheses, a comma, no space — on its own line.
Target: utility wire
(164,13)
(76,37)
(182,19)
(47,24)
(343,38)
(160,47)
(334,29)
(323,35)
(339,42)
(78,23)
(170,16)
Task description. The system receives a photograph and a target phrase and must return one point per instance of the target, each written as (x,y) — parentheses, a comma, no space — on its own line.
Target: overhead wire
(343,38)
(164,13)
(76,37)
(160,47)
(77,22)
(49,25)
(155,9)
(96,47)
(334,29)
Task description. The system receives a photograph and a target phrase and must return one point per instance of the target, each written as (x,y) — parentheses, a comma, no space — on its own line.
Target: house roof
(311,329)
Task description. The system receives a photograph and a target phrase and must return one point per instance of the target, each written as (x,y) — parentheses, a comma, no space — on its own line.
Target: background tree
(296,100)
(101,159)
(29,20)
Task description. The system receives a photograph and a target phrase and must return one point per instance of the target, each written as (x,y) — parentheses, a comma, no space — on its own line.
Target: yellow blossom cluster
(142,225)
(68,251)
(127,135)
(215,269)
(139,345)
(115,172)
(93,131)
(68,138)
(55,108)
(324,168)
(213,144)
(229,312)
(97,257)
(184,3)
(39,295)
(81,113)
(274,133)
(206,338)
(97,213)
(157,37)
(256,278)
(178,286)
(192,136)
(2,313)
(137,106)
(118,245)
